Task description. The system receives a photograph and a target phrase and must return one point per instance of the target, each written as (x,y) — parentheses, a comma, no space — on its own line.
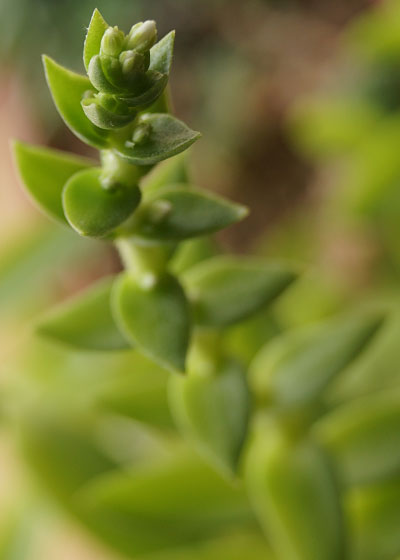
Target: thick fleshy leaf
(85,321)
(296,498)
(157,83)
(363,438)
(155,316)
(297,367)
(176,213)
(227,289)
(212,411)
(95,32)
(93,210)
(99,80)
(168,137)
(104,119)
(161,54)
(164,505)
(67,89)
(374,514)
(44,172)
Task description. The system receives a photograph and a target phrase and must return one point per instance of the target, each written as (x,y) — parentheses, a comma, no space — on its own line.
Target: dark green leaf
(85,321)
(103,118)
(296,498)
(168,137)
(44,172)
(93,210)
(161,54)
(227,289)
(95,32)
(157,83)
(364,438)
(296,368)
(67,89)
(155,316)
(177,213)
(212,412)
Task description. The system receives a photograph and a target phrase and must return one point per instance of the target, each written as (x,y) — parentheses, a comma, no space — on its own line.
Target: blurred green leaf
(177,212)
(67,89)
(168,137)
(227,289)
(363,437)
(296,498)
(163,506)
(44,172)
(169,172)
(155,317)
(85,321)
(93,210)
(191,252)
(374,514)
(95,32)
(212,411)
(296,368)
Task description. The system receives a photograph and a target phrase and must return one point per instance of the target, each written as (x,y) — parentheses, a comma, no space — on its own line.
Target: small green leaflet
(176,213)
(169,136)
(296,497)
(91,209)
(161,54)
(44,172)
(85,321)
(154,315)
(295,369)
(212,411)
(95,32)
(172,171)
(67,89)
(226,289)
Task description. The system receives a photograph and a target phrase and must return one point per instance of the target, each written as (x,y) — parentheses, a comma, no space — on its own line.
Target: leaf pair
(68,188)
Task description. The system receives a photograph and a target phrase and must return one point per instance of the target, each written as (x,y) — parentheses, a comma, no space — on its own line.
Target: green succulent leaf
(150,95)
(85,321)
(296,368)
(154,314)
(99,80)
(161,54)
(212,412)
(172,171)
(296,498)
(103,118)
(94,211)
(169,136)
(225,289)
(164,506)
(67,89)
(363,438)
(95,32)
(44,172)
(176,213)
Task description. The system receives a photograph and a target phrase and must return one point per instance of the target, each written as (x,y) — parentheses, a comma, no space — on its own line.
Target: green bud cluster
(122,76)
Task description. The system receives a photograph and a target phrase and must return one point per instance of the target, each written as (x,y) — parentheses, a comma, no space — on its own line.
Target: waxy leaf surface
(91,209)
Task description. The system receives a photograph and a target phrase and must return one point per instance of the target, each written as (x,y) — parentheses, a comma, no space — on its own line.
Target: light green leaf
(85,321)
(161,54)
(296,498)
(155,316)
(95,32)
(168,137)
(44,172)
(212,411)
(374,515)
(103,118)
(176,213)
(164,506)
(93,210)
(67,89)
(227,289)
(191,252)
(173,171)
(363,438)
(296,368)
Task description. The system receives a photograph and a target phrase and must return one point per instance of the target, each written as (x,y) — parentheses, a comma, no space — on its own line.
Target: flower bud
(141,133)
(112,42)
(142,36)
(132,62)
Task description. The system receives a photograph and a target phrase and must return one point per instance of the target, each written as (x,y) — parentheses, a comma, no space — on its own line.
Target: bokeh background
(299,106)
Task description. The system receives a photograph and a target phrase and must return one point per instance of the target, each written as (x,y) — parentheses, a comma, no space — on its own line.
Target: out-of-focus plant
(180,343)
